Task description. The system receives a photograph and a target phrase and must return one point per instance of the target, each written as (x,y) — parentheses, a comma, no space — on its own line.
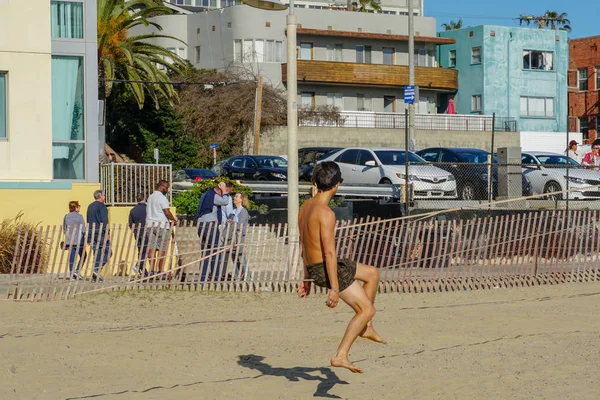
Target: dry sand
(528,343)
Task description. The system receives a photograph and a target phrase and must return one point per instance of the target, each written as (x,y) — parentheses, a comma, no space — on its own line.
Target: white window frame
(452,58)
(581,80)
(307,95)
(473,56)
(335,52)
(476,103)
(392,54)
(547,108)
(311,49)
(547,55)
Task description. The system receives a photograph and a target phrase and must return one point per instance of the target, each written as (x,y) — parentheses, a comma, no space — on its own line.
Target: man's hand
(304,289)
(333,299)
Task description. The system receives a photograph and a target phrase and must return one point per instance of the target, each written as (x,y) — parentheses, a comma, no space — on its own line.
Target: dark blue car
(470,168)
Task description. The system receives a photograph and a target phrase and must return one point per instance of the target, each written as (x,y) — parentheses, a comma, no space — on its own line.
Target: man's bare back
(310,218)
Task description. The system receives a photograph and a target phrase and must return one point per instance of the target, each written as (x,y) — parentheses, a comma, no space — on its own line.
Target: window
(360,54)
(597,78)
(363,102)
(597,122)
(476,55)
(248,50)
(3,124)
(430,155)
(308,100)
(420,57)
(368,55)
(388,55)
(364,156)
(270,51)
(335,100)
(582,78)
(68,129)
(448,157)
(259,51)
(389,104)
(182,52)
(452,59)
(238,53)
(542,107)
(334,52)
(476,102)
(583,127)
(538,60)
(279,51)
(66,19)
(348,157)
(306,51)
(197,56)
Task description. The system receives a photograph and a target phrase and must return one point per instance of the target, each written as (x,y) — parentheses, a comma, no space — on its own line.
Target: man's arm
(169,216)
(328,245)
(221,200)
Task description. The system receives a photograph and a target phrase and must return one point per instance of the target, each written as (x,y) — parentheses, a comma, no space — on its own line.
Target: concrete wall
(501,78)
(275,141)
(26,153)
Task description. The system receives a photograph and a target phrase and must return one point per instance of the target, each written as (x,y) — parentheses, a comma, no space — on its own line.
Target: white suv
(362,165)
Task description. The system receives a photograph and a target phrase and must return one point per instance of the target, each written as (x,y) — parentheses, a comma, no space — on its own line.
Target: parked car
(548,174)
(469,167)
(362,165)
(256,168)
(193,174)
(218,167)
(308,156)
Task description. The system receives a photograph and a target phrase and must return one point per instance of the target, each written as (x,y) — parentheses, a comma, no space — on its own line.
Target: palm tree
(554,20)
(453,25)
(366,6)
(132,59)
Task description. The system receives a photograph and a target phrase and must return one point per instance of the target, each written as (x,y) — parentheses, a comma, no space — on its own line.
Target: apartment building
(390,7)
(353,60)
(515,72)
(584,87)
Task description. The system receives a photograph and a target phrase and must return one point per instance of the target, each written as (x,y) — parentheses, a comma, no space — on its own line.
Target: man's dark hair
(229,184)
(326,175)
(161,182)
(140,197)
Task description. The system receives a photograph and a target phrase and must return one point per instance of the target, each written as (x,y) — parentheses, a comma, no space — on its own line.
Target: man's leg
(356,297)
(370,276)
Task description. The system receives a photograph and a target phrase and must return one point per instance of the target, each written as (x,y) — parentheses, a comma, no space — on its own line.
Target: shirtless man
(317,236)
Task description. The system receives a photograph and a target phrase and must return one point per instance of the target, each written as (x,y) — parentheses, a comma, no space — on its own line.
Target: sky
(583,14)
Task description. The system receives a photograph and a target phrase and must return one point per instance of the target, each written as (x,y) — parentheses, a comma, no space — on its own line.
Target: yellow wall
(26,154)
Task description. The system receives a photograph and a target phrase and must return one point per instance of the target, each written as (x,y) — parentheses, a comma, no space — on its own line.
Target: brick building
(584,87)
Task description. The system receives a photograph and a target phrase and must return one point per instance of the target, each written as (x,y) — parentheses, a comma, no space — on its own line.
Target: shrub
(14,229)
(187,202)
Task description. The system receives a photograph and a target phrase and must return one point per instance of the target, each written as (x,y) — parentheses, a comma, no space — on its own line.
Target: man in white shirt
(158,222)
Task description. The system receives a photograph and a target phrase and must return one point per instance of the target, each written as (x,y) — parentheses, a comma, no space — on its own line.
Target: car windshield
(397,157)
(554,161)
(271,162)
(478,157)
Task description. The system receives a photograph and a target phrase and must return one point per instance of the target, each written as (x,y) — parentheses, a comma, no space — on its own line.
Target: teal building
(517,73)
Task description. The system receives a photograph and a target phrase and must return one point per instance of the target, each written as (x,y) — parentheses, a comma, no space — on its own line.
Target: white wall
(555,142)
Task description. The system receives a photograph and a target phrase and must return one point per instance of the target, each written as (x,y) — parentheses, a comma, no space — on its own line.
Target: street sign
(214,145)
(409,94)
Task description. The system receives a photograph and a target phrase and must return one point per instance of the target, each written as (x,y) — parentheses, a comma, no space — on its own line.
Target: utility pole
(411,74)
(258,114)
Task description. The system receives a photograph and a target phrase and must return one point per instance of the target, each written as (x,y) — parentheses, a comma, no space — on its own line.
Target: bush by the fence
(28,234)
(187,202)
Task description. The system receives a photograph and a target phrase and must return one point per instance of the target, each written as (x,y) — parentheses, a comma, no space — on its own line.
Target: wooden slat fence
(413,255)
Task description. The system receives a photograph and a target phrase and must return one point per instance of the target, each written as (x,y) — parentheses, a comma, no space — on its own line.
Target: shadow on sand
(326,377)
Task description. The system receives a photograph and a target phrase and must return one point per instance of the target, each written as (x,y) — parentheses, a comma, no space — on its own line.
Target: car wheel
(385,181)
(467,192)
(553,187)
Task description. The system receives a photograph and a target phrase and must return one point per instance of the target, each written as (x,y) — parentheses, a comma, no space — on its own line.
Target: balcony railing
(446,122)
(122,182)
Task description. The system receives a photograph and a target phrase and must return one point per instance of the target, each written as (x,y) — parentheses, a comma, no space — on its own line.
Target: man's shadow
(328,379)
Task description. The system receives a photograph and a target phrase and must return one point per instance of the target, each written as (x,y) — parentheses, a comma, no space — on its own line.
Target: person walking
(210,217)
(98,232)
(573,152)
(74,229)
(592,159)
(137,223)
(158,222)
(316,223)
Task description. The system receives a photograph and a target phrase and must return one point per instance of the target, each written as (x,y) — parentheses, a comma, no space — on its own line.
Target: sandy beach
(526,343)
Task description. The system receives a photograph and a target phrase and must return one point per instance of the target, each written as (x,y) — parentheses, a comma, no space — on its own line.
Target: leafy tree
(222,110)
(366,6)
(137,132)
(131,58)
(453,25)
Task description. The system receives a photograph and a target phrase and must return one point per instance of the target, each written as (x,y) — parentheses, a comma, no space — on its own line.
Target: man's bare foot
(371,334)
(345,363)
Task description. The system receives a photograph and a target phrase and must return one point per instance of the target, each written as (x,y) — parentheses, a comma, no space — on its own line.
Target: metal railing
(122,182)
(377,120)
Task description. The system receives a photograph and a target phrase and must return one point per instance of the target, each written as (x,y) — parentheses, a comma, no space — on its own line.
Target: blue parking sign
(409,94)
